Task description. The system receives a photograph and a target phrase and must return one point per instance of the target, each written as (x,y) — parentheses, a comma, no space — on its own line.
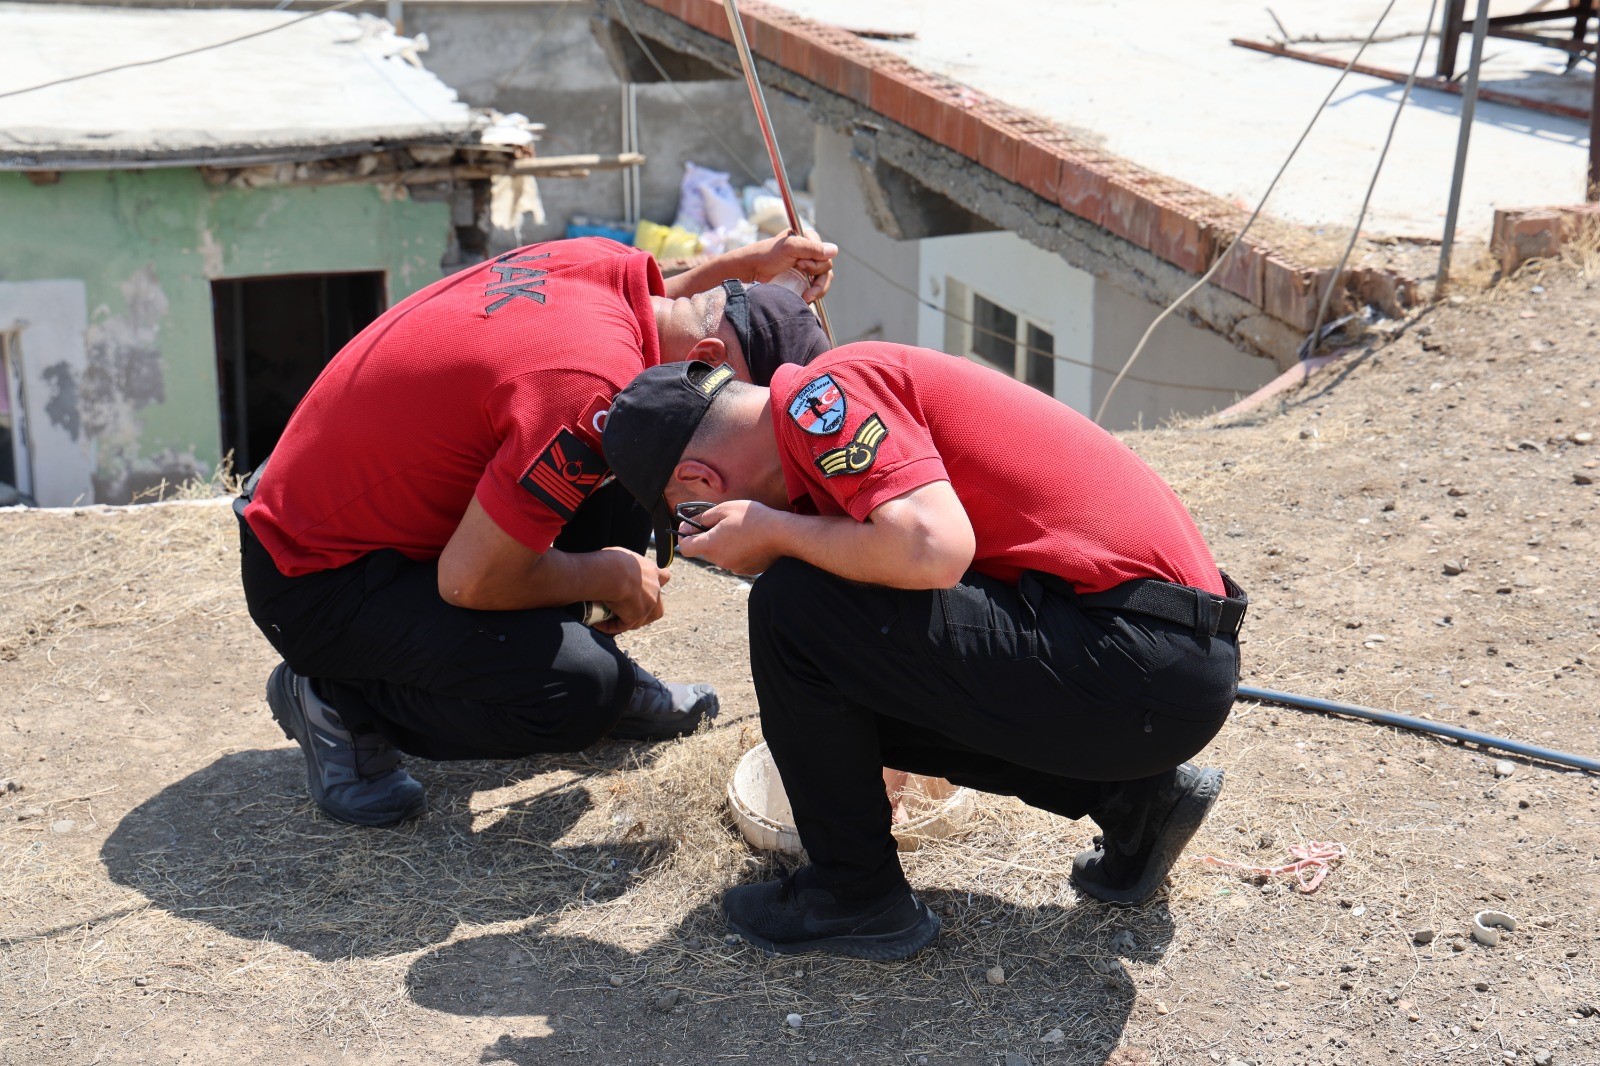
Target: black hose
(1421,725)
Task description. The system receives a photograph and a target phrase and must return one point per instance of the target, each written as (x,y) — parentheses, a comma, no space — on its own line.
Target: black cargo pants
(445,682)
(1018,691)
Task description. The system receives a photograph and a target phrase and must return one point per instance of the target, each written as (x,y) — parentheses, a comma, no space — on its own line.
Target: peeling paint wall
(146,245)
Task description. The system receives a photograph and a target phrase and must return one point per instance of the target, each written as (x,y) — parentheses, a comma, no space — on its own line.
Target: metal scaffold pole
(764,118)
(1469,106)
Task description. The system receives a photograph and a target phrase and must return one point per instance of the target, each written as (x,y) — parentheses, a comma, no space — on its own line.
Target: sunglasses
(686,514)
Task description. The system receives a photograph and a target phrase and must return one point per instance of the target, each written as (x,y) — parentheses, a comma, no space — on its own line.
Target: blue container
(583,226)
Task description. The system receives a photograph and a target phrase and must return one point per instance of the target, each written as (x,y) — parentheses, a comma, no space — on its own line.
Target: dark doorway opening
(274,336)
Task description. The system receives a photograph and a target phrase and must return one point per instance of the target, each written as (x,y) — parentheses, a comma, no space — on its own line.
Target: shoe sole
(1188,814)
(286,711)
(885,947)
(706,706)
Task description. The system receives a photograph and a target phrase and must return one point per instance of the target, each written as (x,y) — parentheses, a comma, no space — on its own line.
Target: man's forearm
(736,264)
(555,579)
(870,552)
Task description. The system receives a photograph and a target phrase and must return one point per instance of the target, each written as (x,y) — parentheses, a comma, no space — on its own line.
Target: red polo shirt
(485,384)
(1046,489)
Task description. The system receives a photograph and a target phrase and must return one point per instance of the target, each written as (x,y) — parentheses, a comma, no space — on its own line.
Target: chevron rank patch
(857,456)
(565,473)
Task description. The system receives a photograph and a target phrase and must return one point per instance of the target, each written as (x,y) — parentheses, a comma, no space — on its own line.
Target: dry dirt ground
(168,894)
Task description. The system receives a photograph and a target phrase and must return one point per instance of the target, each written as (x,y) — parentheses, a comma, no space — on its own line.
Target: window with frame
(998,337)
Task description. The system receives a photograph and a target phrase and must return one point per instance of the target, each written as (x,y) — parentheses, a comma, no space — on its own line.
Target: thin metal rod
(1469,107)
(1441,85)
(748,62)
(1421,725)
(1313,341)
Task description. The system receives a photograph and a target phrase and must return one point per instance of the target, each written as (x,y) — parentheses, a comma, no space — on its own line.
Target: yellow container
(650,236)
(680,244)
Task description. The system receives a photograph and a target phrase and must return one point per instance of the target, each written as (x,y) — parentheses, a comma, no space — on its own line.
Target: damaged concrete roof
(1161,85)
(331,85)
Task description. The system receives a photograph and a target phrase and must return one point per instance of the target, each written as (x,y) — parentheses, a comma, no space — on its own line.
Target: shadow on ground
(239,846)
(696,995)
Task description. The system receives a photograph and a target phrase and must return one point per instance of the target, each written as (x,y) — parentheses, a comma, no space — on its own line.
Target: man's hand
(486,569)
(641,602)
(740,540)
(921,539)
(803,264)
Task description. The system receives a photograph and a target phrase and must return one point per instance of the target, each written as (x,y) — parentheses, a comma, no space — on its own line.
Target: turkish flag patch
(565,473)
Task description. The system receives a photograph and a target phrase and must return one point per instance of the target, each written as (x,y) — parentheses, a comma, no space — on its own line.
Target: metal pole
(1593,192)
(1421,725)
(1469,105)
(748,62)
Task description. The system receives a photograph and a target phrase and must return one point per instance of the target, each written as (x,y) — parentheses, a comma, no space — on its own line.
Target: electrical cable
(179,55)
(1311,342)
(1260,206)
(1031,350)
(738,158)
(1421,725)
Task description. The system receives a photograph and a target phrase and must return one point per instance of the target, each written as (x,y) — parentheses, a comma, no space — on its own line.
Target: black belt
(1181,605)
(247,492)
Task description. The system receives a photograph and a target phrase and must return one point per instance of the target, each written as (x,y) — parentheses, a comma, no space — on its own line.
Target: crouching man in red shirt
(960,577)
(437,523)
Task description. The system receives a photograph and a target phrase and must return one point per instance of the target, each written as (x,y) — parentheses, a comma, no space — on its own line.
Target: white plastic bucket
(931,806)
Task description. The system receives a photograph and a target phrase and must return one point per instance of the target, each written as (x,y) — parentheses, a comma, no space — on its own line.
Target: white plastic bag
(701,187)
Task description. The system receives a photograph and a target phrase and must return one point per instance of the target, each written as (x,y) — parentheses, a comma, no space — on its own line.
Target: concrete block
(676,8)
(891,93)
(960,126)
(1387,291)
(712,17)
(855,78)
(1084,189)
(1181,239)
(1241,273)
(997,145)
(1039,165)
(1129,211)
(1291,293)
(924,111)
(1520,234)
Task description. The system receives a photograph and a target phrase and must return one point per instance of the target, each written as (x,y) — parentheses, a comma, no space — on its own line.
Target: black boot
(788,918)
(662,710)
(1145,827)
(354,778)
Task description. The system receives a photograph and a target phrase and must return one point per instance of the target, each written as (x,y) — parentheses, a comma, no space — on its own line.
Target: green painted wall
(147,244)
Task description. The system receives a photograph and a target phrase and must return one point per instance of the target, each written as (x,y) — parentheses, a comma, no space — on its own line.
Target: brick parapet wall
(1177,222)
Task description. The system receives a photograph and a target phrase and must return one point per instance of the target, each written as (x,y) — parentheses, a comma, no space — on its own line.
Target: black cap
(649,428)
(774,326)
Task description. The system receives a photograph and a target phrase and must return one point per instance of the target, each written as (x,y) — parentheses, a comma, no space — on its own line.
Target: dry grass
(543,907)
(129,572)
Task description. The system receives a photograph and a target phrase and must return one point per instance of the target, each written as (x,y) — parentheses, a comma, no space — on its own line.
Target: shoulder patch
(565,473)
(819,407)
(858,456)
(592,426)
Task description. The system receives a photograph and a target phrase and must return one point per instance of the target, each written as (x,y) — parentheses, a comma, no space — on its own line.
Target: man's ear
(698,481)
(711,350)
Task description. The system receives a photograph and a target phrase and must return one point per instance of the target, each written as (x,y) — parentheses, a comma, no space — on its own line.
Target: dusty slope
(167,894)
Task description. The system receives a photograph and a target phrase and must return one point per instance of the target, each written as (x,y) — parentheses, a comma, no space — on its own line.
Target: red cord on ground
(1314,857)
